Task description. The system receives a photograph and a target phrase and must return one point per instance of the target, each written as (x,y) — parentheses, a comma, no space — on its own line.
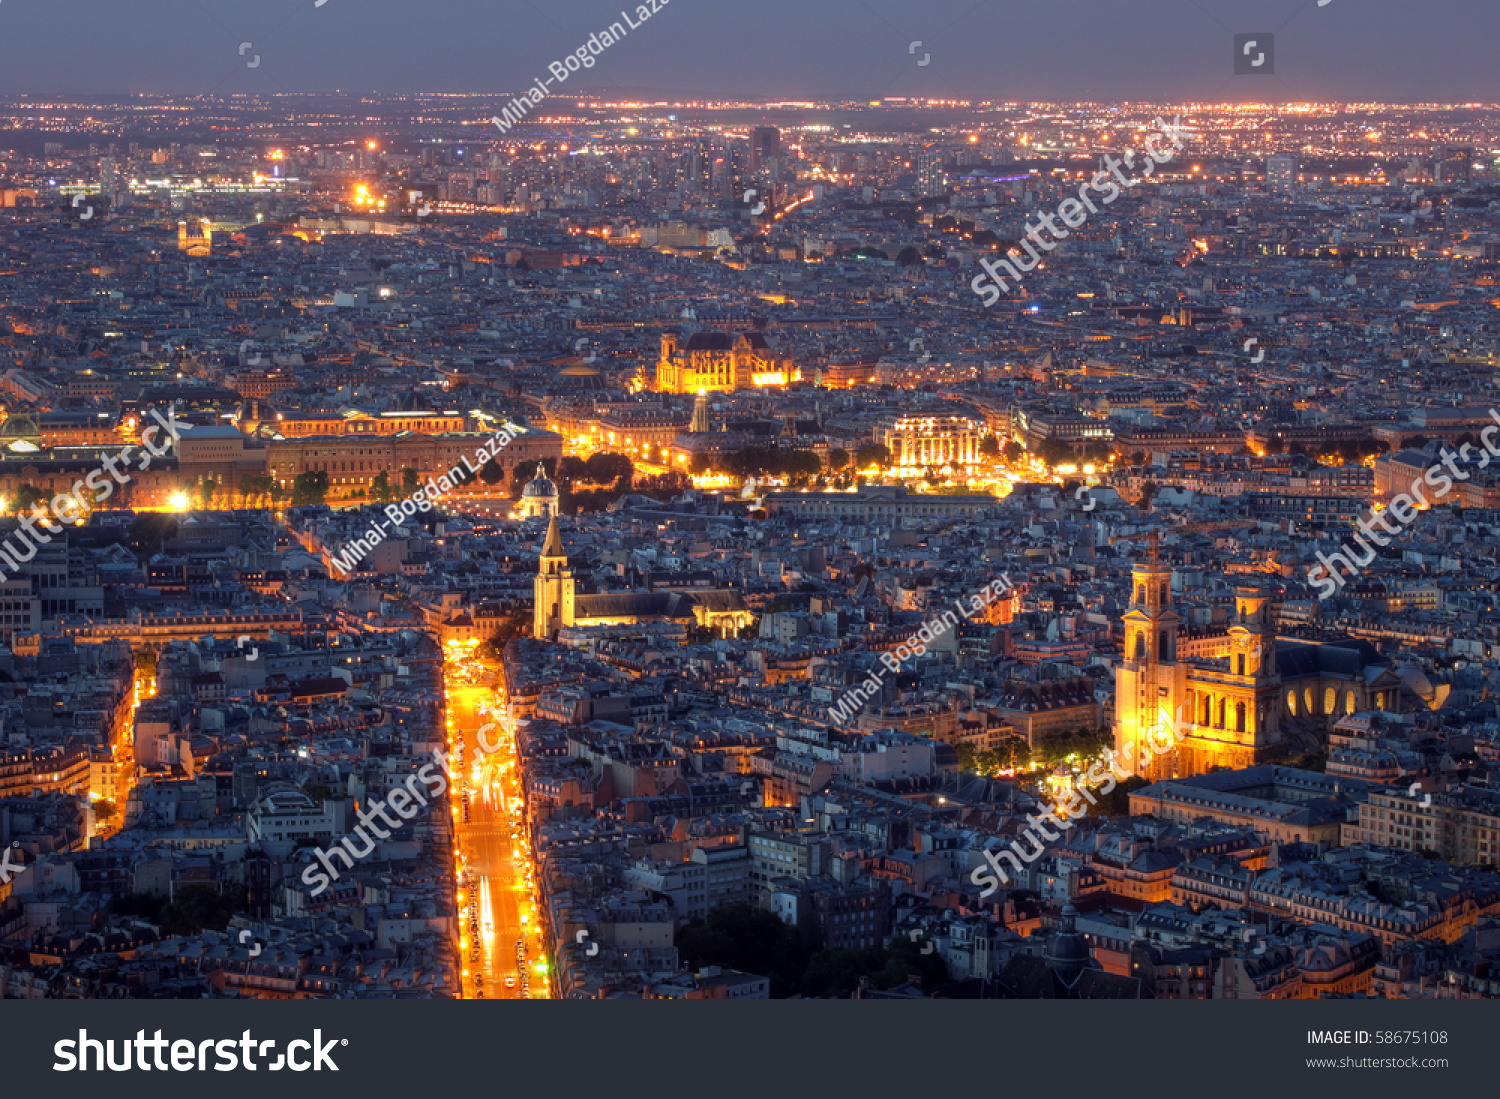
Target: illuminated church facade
(718,362)
(559,605)
(1244,698)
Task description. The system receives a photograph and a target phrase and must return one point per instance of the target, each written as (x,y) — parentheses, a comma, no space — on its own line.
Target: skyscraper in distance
(765,149)
(1281,174)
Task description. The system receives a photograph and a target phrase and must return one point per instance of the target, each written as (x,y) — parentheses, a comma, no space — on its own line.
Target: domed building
(20,435)
(413,401)
(539,497)
(254,414)
(579,377)
(1067,971)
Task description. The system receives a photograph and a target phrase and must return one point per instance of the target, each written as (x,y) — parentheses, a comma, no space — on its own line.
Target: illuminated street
(497,906)
(122,749)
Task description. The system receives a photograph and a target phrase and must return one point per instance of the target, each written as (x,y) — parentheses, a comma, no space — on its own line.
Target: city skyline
(763,544)
(1346,51)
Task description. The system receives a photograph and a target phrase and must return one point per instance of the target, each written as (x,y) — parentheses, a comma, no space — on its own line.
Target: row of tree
(1056,451)
(602,470)
(769,461)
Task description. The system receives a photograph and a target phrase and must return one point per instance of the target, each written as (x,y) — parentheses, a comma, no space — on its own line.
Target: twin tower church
(1238,698)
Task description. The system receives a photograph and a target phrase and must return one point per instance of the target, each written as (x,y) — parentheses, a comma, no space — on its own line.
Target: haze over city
(1349,50)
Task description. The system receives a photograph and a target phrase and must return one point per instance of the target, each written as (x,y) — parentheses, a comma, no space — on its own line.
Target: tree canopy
(310,489)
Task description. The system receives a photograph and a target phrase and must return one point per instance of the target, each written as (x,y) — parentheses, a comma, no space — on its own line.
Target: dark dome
(20,426)
(255,410)
(1067,953)
(540,485)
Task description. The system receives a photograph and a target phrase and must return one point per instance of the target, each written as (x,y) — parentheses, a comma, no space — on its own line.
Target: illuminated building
(917,442)
(195,240)
(1281,174)
(297,425)
(539,497)
(877,504)
(1249,699)
(845,374)
(352,462)
(1073,428)
(931,179)
(717,362)
(59,469)
(559,606)
(21,435)
(643,432)
(218,454)
(1149,682)
(259,383)
(1462,826)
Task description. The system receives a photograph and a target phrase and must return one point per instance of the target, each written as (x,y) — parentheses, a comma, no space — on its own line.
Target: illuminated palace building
(717,362)
(1245,696)
(296,425)
(353,461)
(918,442)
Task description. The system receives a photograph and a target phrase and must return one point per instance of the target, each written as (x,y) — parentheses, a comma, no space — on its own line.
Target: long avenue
(499,937)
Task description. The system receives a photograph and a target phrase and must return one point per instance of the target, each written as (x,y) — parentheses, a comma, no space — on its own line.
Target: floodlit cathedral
(717,362)
(1245,697)
(196,239)
(559,605)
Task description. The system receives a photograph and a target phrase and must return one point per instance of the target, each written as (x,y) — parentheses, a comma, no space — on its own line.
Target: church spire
(553,546)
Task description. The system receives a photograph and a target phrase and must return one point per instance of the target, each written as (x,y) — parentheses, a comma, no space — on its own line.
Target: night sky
(1350,50)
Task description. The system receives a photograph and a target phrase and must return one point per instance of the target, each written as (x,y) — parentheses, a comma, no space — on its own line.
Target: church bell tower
(554,586)
(1150,684)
